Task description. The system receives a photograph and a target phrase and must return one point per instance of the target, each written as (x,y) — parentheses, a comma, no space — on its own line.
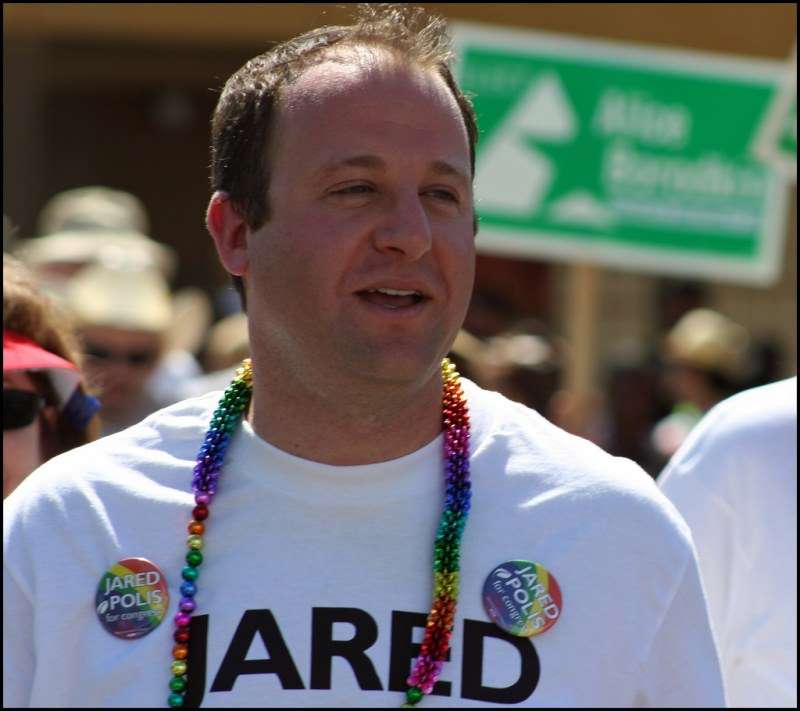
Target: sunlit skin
(22,451)
(118,382)
(370,187)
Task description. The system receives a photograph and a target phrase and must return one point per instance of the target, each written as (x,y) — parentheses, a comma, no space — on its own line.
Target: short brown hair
(31,313)
(246,110)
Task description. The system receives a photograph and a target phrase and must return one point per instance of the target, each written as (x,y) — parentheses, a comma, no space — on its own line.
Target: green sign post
(634,158)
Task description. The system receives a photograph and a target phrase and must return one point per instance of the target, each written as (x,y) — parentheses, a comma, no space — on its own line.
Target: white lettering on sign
(497,80)
(711,176)
(635,115)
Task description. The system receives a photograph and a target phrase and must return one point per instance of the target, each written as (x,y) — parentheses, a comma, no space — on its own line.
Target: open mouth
(392,298)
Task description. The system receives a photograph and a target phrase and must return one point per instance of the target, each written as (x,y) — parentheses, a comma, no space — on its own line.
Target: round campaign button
(132,598)
(522,597)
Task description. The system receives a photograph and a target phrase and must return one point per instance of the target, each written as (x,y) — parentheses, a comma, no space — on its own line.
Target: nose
(405,229)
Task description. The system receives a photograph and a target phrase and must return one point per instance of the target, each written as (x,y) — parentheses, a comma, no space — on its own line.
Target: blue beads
(188,589)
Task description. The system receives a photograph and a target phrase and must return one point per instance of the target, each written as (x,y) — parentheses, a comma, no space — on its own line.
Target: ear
(229,231)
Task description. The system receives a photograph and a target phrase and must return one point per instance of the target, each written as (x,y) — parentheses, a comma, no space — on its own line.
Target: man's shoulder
(763,408)
(541,461)
(741,443)
(533,439)
(754,420)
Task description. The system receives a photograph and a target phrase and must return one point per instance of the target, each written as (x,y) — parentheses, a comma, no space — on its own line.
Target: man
(123,313)
(705,359)
(735,482)
(47,405)
(342,171)
(94,235)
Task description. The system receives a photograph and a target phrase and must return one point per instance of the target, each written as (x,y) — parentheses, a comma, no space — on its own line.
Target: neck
(348,423)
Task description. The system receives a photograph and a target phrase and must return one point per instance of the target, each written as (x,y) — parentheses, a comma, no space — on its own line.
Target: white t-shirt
(735,482)
(317,579)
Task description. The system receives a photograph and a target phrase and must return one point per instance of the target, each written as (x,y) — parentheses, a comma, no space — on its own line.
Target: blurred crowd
(650,397)
(106,314)
(95,280)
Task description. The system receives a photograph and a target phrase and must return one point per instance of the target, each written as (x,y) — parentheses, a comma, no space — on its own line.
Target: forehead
(352,71)
(355,98)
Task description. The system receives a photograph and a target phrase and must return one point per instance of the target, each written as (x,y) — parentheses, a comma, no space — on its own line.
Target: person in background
(705,359)
(98,225)
(634,406)
(47,408)
(226,347)
(122,314)
(179,365)
(524,364)
(89,225)
(734,480)
(468,354)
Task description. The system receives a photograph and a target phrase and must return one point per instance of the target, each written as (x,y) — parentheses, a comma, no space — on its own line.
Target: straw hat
(94,224)
(123,296)
(78,247)
(93,207)
(707,340)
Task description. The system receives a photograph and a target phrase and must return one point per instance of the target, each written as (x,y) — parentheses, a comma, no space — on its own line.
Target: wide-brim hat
(93,207)
(709,341)
(86,246)
(124,297)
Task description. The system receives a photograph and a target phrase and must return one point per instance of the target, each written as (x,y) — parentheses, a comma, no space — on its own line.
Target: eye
(445,194)
(357,189)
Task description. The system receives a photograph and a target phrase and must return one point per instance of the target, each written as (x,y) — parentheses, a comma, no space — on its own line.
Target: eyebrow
(373,162)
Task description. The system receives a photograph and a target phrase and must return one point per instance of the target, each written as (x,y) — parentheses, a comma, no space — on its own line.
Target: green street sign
(776,140)
(636,158)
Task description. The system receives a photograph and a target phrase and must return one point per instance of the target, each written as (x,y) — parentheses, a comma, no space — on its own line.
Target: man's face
(366,265)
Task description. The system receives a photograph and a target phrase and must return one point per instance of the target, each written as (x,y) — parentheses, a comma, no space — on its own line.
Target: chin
(400,365)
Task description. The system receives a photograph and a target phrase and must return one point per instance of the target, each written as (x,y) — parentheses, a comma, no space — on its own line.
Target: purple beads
(187,604)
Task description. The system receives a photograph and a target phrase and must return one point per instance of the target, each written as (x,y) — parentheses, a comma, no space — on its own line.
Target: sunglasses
(134,358)
(20,408)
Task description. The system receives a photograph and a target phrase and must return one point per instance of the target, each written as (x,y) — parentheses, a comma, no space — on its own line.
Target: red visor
(21,353)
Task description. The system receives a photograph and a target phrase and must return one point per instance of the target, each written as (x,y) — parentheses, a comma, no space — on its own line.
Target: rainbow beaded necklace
(439,626)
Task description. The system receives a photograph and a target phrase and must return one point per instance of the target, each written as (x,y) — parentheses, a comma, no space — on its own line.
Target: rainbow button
(522,598)
(132,598)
